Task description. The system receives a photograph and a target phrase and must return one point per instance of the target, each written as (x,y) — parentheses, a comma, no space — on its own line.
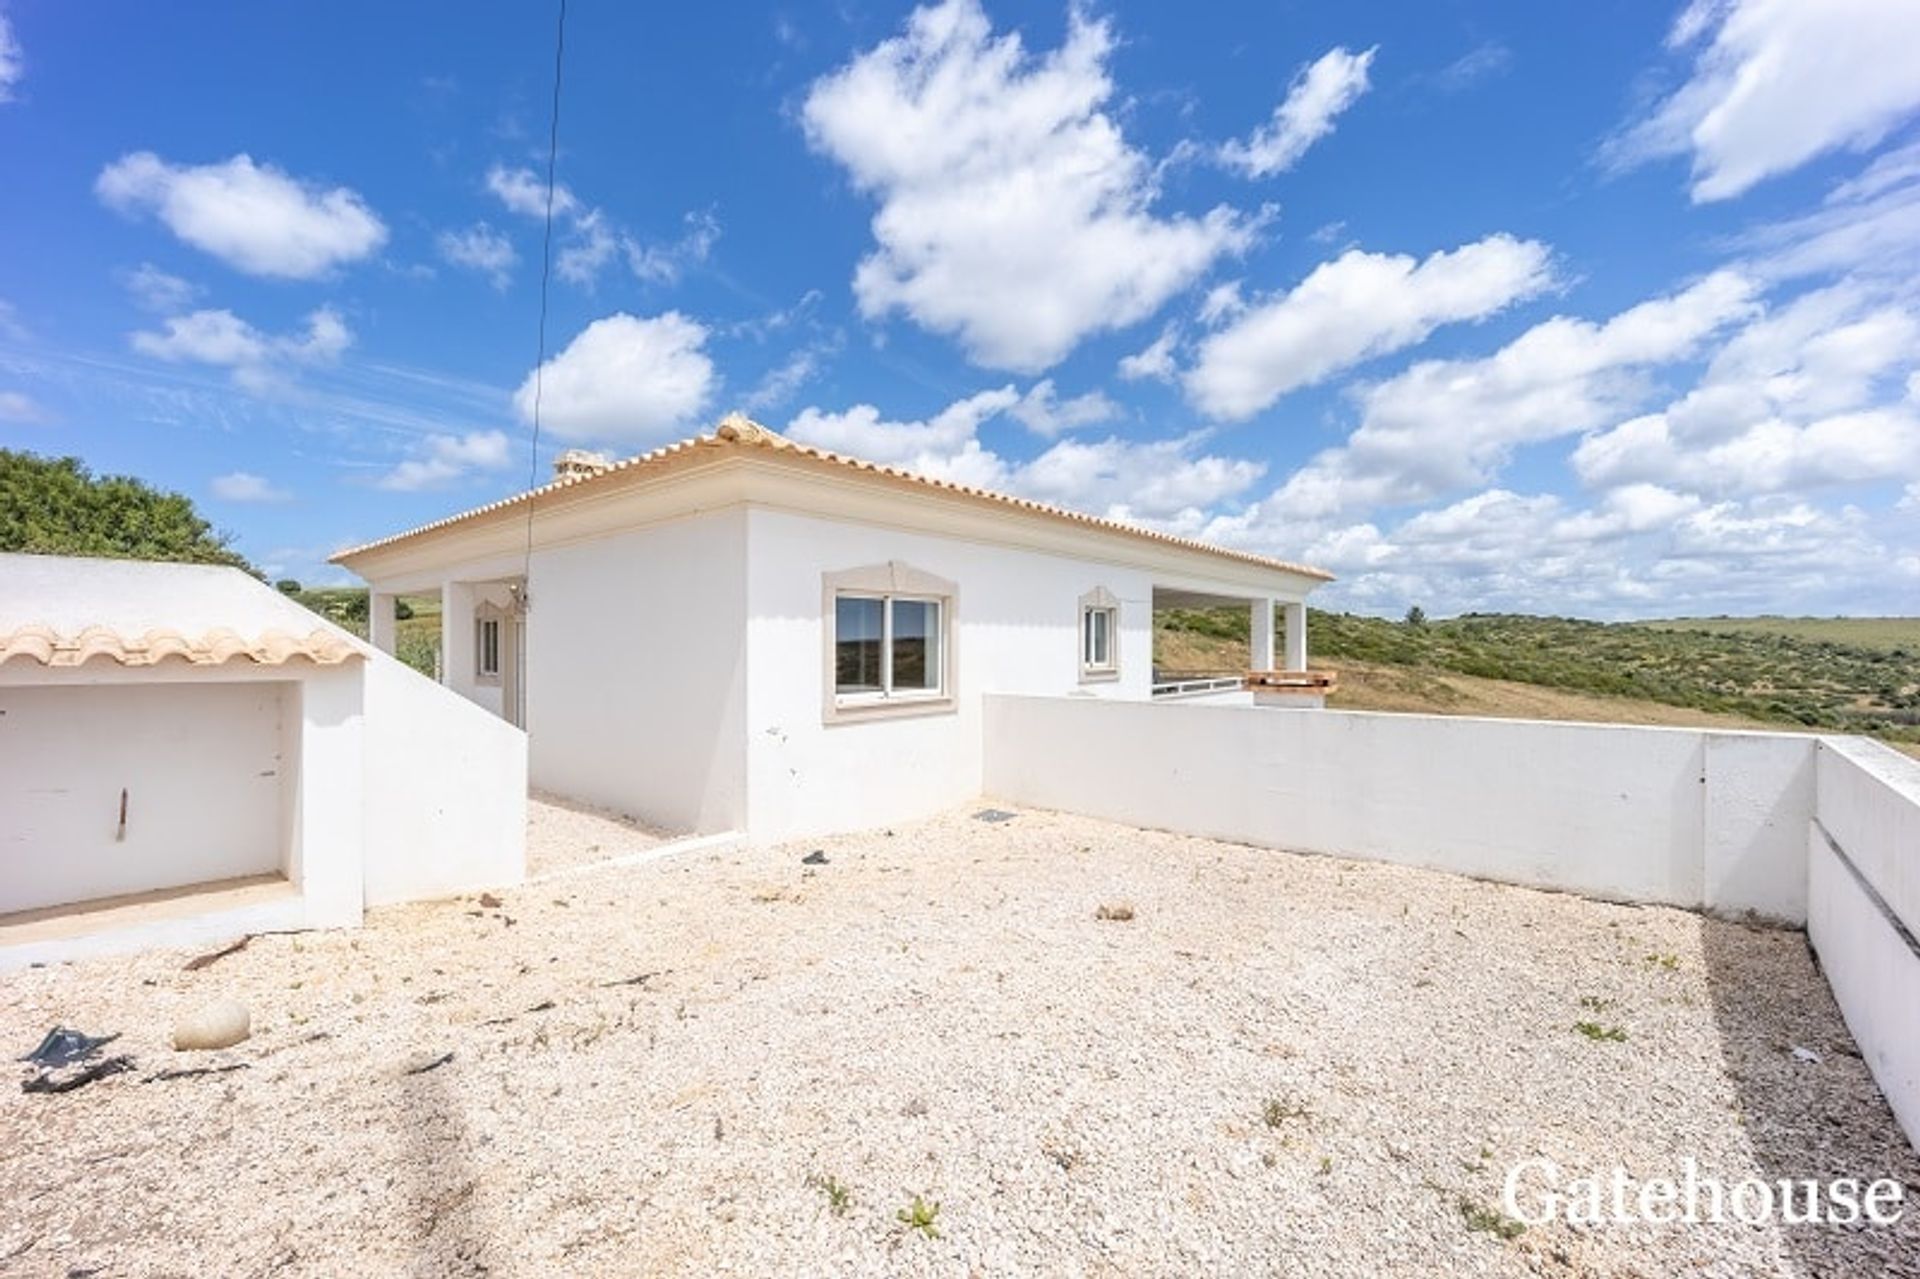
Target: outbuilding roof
(60,610)
(738,434)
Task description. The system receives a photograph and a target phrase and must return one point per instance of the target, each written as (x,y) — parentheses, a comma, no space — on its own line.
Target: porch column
(382,623)
(1297,636)
(456,636)
(1260,658)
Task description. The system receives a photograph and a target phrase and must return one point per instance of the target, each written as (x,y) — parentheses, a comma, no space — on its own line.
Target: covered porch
(479,642)
(1275,671)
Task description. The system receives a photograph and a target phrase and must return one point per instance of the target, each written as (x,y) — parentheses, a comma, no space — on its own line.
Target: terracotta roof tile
(737,432)
(48,647)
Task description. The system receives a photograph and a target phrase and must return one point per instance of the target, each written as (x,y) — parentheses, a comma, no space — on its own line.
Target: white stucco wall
(636,672)
(1016,629)
(446,790)
(1865,844)
(1639,814)
(202,767)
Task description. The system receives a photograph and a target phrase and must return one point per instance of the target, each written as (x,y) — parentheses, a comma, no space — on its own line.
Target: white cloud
(13,63)
(525,192)
(1162,482)
(1355,307)
(1156,361)
(1447,425)
(1317,96)
(156,290)
(1042,411)
(18,406)
(245,486)
(1777,83)
(480,248)
(1867,226)
(1805,396)
(783,381)
(1476,64)
(625,380)
(1013,215)
(446,458)
(665,263)
(255,218)
(258,360)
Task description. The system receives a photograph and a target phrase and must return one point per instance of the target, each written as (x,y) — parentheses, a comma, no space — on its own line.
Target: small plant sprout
(1278,1112)
(922,1216)
(1601,1034)
(1669,962)
(1593,1003)
(839,1198)
(1489,1220)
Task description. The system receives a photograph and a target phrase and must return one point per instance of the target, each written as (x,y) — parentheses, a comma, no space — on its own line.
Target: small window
(886,646)
(1099,635)
(486,648)
(889,642)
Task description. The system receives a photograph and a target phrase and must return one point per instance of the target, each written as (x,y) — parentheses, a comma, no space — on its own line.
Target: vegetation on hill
(1764,674)
(56,506)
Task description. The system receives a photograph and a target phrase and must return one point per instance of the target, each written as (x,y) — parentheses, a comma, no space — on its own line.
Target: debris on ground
(213,957)
(1807,1055)
(220,1024)
(991,815)
(421,1063)
(491,902)
(63,1046)
(72,1076)
(641,980)
(1120,912)
(818,857)
(194,1072)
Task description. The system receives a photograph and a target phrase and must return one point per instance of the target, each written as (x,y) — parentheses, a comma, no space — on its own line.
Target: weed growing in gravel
(1279,1112)
(1489,1220)
(920,1215)
(1326,1165)
(1669,962)
(1120,912)
(839,1198)
(1593,1003)
(1601,1034)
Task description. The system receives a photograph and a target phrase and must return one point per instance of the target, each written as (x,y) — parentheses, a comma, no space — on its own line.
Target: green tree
(56,506)
(1416,616)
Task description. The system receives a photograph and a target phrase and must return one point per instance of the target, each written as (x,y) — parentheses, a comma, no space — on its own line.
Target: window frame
(889,583)
(1099,600)
(482,620)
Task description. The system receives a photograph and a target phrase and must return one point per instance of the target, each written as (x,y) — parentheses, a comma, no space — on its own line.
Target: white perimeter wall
(178,750)
(636,672)
(446,790)
(1678,816)
(1017,620)
(1863,911)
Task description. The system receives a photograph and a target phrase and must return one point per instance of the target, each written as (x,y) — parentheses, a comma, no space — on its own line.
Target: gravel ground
(563,835)
(1279,1064)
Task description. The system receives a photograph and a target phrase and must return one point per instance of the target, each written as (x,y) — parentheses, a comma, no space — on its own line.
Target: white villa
(740,632)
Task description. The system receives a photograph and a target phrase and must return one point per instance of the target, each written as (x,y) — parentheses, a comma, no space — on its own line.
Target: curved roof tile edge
(736,431)
(48,647)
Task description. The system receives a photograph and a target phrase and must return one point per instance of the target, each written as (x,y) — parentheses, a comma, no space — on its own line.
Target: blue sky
(1609,309)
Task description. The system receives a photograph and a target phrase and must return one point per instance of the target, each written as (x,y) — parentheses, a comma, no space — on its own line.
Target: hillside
(1769,673)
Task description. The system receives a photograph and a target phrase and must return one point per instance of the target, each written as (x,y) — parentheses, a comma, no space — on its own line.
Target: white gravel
(938,1012)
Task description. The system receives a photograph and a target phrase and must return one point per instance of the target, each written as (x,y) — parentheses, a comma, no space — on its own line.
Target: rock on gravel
(220,1024)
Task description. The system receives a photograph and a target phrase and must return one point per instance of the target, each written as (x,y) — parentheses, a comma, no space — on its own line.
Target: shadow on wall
(1818,1117)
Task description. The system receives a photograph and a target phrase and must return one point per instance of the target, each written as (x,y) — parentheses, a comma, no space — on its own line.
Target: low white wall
(446,790)
(1863,862)
(1678,816)
(68,752)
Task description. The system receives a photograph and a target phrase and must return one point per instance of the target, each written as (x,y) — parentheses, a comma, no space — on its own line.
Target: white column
(382,622)
(327,852)
(1260,656)
(456,637)
(1297,636)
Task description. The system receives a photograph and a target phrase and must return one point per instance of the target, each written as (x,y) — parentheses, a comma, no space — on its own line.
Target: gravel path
(563,835)
(1279,1064)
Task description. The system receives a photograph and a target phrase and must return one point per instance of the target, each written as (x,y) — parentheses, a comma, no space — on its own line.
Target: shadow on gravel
(1815,1114)
(448,1235)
